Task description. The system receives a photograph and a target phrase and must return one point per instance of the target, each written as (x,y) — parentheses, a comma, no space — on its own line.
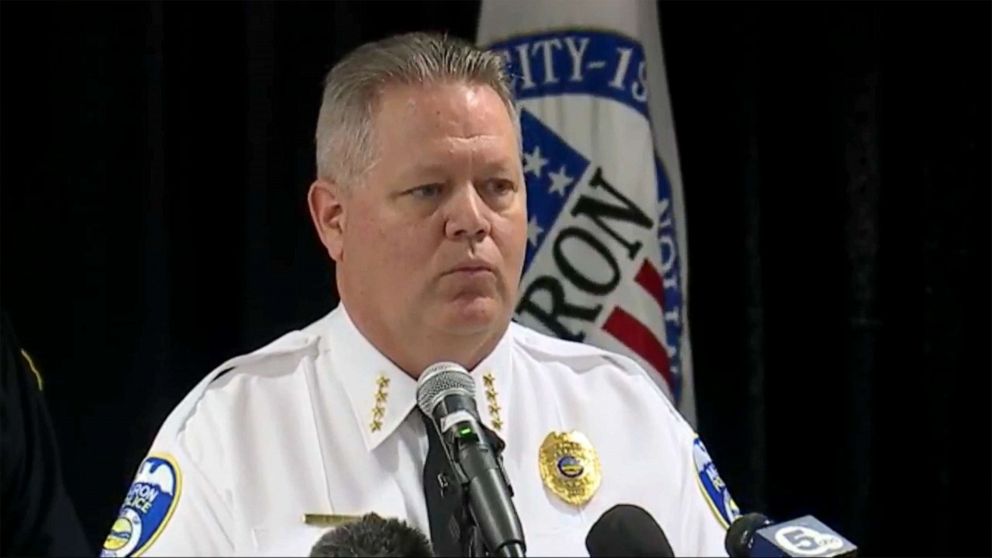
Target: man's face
(436,235)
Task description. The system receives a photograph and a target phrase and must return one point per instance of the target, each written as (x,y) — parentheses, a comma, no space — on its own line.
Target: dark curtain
(836,170)
(155,158)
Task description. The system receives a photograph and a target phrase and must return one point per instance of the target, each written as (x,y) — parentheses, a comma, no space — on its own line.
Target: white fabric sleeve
(706,502)
(705,506)
(175,506)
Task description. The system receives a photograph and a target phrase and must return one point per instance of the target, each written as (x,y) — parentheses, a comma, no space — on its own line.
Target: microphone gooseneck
(446,394)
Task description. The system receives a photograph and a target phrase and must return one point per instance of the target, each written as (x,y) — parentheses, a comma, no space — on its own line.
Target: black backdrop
(835,157)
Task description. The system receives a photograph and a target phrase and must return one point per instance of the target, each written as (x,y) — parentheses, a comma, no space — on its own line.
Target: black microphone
(372,536)
(740,534)
(446,394)
(754,535)
(626,530)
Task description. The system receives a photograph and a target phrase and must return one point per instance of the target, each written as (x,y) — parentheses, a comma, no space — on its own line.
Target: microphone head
(626,530)
(442,379)
(373,536)
(740,534)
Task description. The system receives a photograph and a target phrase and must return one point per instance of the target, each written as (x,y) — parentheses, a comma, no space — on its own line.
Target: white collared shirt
(320,422)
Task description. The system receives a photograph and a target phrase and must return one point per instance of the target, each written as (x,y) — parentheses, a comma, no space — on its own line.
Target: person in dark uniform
(38,517)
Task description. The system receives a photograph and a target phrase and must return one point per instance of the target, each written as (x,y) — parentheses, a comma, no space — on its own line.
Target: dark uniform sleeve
(38,517)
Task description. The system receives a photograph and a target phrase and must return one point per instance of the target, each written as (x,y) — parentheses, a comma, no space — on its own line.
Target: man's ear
(327,209)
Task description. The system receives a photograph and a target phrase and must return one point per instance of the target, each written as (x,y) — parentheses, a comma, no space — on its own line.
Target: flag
(606,251)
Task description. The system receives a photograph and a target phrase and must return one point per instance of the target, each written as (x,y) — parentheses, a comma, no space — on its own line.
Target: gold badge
(570,466)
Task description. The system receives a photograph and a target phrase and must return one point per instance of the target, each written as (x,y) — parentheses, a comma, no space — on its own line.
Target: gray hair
(345,144)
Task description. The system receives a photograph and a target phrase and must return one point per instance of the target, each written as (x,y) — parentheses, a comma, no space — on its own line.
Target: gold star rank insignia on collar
(379,410)
(492,399)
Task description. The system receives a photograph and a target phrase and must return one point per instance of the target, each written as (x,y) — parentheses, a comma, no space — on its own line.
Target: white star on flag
(559,181)
(533,231)
(534,163)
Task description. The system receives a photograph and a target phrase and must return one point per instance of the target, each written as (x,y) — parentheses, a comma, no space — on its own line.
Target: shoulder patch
(712,486)
(149,505)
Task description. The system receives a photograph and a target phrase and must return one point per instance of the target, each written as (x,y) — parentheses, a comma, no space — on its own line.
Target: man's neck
(413,350)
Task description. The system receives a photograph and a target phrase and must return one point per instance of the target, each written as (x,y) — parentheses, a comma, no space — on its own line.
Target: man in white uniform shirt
(421,203)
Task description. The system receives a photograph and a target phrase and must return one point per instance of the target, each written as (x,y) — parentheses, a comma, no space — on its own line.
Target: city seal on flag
(602,264)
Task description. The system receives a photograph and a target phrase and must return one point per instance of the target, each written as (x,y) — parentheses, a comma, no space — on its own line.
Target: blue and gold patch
(714,489)
(149,505)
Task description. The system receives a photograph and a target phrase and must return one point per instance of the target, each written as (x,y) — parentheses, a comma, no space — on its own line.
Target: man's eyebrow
(498,166)
(501,166)
(421,167)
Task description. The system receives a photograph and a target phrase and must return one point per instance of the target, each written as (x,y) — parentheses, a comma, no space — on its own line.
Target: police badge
(570,467)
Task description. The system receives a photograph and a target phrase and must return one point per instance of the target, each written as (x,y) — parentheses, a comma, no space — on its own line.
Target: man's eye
(501,187)
(425,191)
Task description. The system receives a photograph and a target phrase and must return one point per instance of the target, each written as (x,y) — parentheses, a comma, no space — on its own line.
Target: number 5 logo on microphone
(806,541)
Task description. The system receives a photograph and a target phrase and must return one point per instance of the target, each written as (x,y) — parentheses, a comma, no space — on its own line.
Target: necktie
(452,531)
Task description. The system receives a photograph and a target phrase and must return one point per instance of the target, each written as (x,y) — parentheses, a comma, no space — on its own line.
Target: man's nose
(467,215)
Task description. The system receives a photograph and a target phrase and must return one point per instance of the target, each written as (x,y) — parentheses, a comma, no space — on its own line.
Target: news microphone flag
(606,251)
(802,537)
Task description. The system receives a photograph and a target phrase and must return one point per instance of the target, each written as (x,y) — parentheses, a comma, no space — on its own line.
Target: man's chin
(475,316)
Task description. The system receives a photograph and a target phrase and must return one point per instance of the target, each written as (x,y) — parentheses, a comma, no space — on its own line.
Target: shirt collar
(493,379)
(382,395)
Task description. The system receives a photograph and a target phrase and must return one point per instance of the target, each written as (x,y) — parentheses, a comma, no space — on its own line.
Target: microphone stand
(473,545)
